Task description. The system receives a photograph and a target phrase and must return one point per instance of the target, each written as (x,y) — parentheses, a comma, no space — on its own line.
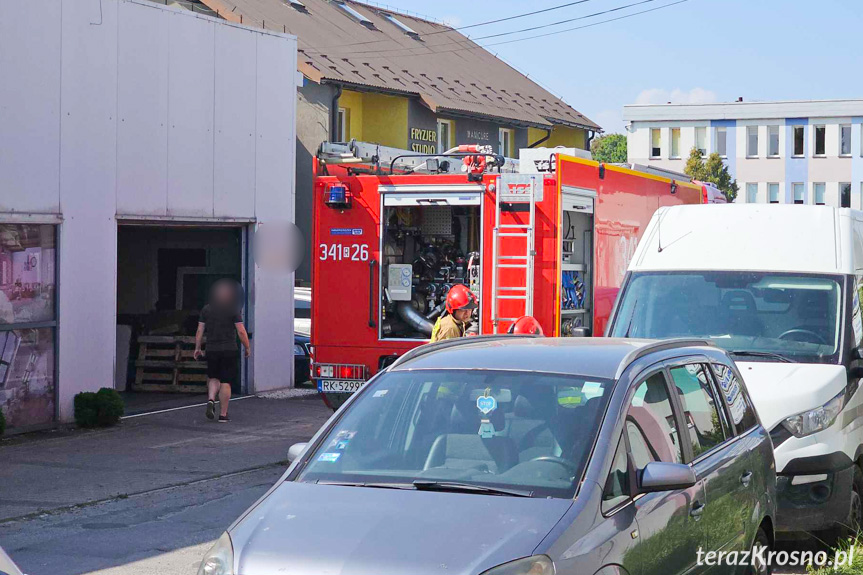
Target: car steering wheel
(806,332)
(559,460)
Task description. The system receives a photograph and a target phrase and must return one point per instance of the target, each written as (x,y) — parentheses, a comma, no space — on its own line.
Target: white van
(779,287)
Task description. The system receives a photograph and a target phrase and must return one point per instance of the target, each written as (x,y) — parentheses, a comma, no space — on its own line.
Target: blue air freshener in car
(486,403)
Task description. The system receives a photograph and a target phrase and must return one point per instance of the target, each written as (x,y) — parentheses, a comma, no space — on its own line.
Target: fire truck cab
(394,231)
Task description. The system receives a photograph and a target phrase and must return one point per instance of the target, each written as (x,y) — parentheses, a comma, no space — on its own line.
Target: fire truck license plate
(338,386)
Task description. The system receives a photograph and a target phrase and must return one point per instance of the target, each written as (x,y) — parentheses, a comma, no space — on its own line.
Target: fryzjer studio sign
(423,141)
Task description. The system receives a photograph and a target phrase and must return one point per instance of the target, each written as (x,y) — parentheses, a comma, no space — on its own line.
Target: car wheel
(759,567)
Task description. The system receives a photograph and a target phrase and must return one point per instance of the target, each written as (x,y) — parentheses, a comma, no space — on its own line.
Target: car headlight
(535,565)
(817,419)
(219,560)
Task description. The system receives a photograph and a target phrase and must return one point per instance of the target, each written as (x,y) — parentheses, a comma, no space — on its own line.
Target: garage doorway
(164,274)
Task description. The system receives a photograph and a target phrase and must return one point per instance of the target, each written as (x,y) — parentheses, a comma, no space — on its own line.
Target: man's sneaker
(224,419)
(211,409)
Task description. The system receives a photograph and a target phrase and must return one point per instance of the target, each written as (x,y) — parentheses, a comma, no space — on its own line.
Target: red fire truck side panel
(626,200)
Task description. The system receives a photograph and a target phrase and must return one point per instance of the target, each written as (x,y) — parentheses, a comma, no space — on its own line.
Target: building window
(773,193)
(28,322)
(506,138)
(820,140)
(444,135)
(752,141)
(845,140)
(701,140)
(655,142)
(845,195)
(819,192)
(751,193)
(722,141)
(342,125)
(799,141)
(799,189)
(675,143)
(773,141)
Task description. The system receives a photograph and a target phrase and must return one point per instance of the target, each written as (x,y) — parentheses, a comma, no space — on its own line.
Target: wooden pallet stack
(167,363)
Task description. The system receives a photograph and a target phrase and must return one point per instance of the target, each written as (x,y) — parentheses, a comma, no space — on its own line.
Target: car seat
(740,312)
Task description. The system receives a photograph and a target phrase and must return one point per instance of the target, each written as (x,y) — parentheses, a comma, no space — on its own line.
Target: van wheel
(855,514)
(759,567)
(853,523)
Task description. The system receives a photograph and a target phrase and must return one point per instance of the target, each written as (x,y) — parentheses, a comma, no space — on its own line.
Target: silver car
(508,455)
(7,566)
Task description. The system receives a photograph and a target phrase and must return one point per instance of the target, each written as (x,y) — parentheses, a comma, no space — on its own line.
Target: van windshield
(494,432)
(795,316)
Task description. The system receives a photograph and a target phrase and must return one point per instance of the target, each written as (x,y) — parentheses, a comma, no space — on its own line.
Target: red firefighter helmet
(526,324)
(459,297)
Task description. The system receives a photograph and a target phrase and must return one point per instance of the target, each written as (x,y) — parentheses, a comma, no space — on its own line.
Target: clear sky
(697,51)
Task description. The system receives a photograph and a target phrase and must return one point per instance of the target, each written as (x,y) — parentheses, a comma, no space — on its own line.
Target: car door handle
(746,478)
(697,510)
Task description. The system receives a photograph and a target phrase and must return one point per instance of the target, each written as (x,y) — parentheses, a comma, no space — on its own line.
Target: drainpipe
(590,136)
(334,113)
(541,140)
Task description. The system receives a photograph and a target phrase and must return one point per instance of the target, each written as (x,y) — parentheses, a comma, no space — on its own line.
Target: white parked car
(779,287)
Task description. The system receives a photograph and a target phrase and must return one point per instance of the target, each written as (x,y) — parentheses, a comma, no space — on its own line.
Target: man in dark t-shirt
(221,322)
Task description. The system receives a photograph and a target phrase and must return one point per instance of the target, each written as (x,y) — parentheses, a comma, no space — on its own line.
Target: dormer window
(401,25)
(355,15)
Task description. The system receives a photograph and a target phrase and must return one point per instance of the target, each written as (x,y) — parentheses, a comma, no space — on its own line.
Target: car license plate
(338,386)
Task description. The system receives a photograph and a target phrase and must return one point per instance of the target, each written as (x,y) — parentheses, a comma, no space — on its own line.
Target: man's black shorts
(224,366)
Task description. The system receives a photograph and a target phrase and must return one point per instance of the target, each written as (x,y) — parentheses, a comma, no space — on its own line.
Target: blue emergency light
(337,196)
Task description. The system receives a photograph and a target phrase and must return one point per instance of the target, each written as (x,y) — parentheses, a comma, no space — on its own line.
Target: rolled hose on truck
(418,321)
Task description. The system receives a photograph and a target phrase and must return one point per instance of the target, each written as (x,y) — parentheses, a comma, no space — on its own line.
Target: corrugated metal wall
(125,107)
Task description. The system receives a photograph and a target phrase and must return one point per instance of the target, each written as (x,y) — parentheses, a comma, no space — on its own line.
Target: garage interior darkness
(163,279)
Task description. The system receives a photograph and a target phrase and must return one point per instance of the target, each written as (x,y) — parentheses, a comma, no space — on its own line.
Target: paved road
(148,496)
(164,532)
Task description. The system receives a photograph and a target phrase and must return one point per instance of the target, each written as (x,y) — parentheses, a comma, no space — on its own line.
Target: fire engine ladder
(521,259)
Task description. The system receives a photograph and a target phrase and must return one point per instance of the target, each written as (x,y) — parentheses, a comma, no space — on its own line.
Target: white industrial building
(141,148)
(804,152)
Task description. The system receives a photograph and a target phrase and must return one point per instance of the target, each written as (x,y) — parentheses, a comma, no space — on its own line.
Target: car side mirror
(661,476)
(296,451)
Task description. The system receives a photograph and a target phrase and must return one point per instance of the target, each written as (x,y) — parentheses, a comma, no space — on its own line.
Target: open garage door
(164,274)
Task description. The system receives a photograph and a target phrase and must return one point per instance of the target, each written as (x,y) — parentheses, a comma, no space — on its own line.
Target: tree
(610,149)
(713,170)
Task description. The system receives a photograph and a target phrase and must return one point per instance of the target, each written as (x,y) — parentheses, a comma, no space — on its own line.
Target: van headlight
(219,560)
(817,419)
(535,565)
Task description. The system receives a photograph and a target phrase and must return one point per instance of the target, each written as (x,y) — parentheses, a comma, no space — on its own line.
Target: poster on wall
(27,282)
(27,376)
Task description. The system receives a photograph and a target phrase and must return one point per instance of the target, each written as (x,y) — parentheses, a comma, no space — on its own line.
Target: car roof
(595,357)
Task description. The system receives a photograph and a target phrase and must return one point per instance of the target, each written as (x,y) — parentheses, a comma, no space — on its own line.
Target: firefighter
(460,303)
(526,324)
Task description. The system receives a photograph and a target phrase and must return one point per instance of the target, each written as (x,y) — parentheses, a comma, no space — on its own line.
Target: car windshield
(528,433)
(764,316)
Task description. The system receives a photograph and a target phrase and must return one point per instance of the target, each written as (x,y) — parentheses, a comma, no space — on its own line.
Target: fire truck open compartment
(430,241)
(576,268)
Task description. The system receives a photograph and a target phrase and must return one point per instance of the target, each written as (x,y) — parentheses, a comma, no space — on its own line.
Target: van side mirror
(296,451)
(857,353)
(661,476)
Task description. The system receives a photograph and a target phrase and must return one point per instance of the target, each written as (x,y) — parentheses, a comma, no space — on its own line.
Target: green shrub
(100,409)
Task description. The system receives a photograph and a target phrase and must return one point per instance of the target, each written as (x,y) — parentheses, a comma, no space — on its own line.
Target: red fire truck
(391,237)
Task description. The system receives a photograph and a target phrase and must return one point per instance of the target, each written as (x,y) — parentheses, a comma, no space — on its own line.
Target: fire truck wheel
(335,400)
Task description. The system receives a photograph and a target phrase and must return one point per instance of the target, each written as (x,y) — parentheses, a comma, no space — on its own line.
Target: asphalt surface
(149,496)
